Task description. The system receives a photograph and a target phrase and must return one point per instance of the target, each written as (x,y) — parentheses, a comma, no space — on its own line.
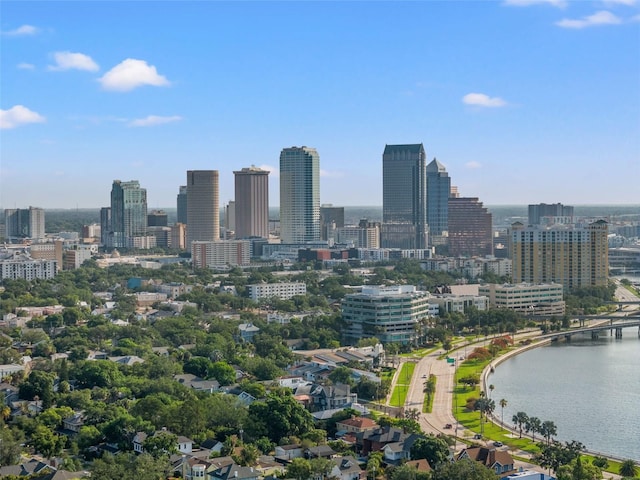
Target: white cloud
(473,164)
(526,3)
(130,74)
(331,174)
(599,18)
(26,66)
(22,31)
(152,120)
(19,115)
(482,100)
(274,172)
(628,3)
(73,61)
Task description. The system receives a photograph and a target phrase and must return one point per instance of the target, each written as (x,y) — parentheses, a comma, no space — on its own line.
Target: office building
(182,205)
(404,202)
(21,223)
(48,251)
(470,228)
(74,258)
(251,202)
(571,255)
(548,214)
(230,218)
(105,226)
(391,314)
(179,236)
(526,298)
(364,235)
(438,191)
(128,213)
(203,207)
(331,218)
(299,195)
(157,218)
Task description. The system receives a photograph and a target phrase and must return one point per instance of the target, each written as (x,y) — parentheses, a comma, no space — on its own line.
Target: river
(589,388)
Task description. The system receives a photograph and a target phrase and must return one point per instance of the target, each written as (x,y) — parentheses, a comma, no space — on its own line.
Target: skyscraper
(203,207)
(128,213)
(252,203)
(299,195)
(182,205)
(470,228)
(24,223)
(552,213)
(404,197)
(330,218)
(105,226)
(438,191)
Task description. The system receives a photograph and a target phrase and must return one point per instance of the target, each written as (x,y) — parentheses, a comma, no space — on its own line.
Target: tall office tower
(299,195)
(404,197)
(252,202)
(157,218)
(548,214)
(182,205)
(105,226)
(24,223)
(128,213)
(230,218)
(330,218)
(438,191)
(203,206)
(470,228)
(571,255)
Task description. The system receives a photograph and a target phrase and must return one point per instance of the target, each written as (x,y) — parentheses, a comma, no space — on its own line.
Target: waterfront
(589,389)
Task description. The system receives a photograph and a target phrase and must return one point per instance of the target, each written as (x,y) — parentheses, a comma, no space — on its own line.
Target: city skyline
(522,101)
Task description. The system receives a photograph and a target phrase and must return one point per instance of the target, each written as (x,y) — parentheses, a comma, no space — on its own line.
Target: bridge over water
(614,324)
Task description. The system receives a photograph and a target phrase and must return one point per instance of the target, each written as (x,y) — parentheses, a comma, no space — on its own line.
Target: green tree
(128,466)
(503,403)
(46,442)
(160,444)
(434,449)
(520,420)
(223,373)
(9,446)
(279,416)
(38,384)
(407,472)
(299,469)
(464,470)
(548,430)
(628,468)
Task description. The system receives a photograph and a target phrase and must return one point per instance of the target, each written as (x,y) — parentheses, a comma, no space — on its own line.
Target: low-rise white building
(527,298)
(282,290)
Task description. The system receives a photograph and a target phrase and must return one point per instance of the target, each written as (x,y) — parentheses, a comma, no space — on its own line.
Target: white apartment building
(283,291)
(28,269)
(449,303)
(527,298)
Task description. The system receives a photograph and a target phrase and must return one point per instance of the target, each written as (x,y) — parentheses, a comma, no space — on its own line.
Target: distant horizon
(519,99)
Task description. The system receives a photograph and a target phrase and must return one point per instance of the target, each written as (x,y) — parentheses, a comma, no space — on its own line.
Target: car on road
(424,376)
(448,425)
(498,444)
(477,436)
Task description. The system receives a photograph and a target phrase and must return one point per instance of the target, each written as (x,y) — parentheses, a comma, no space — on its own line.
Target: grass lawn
(427,406)
(402,385)
(399,396)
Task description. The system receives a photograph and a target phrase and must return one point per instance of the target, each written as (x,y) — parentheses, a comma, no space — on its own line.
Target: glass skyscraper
(299,195)
(203,206)
(404,197)
(438,191)
(128,213)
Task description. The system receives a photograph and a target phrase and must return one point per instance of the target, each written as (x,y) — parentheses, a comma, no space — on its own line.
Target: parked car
(477,436)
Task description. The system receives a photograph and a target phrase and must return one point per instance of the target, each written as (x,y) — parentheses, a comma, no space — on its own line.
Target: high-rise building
(438,191)
(470,228)
(299,195)
(203,207)
(157,218)
(574,256)
(221,253)
(331,218)
(128,213)
(182,205)
(252,202)
(24,223)
(544,213)
(105,226)
(230,218)
(404,197)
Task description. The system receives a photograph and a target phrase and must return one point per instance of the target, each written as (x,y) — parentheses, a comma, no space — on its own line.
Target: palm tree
(491,389)
(548,429)
(534,426)
(520,419)
(628,468)
(429,389)
(503,403)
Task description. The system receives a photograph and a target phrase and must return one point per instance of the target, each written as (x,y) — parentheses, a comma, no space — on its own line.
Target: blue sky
(524,101)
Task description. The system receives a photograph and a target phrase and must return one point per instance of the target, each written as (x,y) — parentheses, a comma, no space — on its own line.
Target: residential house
(500,461)
(198,384)
(346,468)
(356,424)
(8,393)
(288,452)
(234,472)
(375,441)
(319,451)
(183,444)
(74,422)
(247,331)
